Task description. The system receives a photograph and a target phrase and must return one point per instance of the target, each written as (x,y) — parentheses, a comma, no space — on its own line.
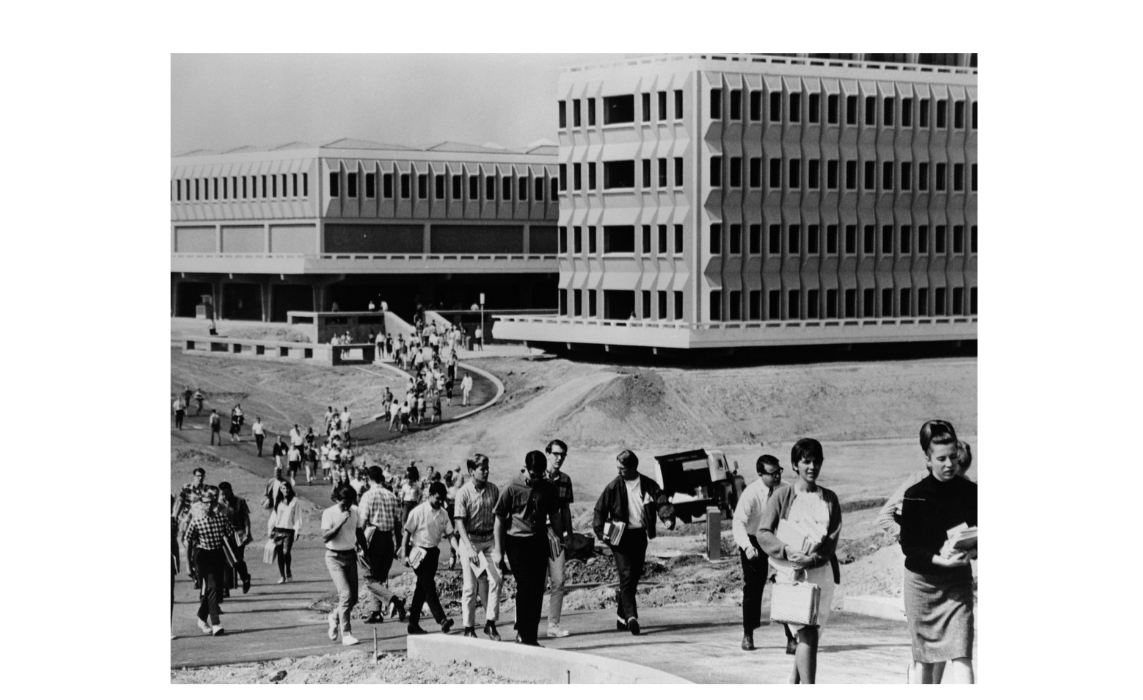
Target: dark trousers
(754,574)
(379,558)
(528,557)
(211,565)
(258,439)
(284,547)
(216,431)
(192,566)
(179,418)
(427,589)
(630,554)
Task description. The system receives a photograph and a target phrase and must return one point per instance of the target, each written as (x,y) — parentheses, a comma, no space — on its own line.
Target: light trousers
(487,585)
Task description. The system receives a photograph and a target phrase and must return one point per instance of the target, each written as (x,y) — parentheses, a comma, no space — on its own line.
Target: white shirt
(346,538)
(287,516)
(466,383)
(426,526)
(258,428)
(634,503)
(748,513)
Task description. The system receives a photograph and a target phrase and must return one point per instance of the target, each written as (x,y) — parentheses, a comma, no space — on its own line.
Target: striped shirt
(381,509)
(477,509)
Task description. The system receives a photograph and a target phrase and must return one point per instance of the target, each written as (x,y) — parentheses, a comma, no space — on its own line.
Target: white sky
(222,101)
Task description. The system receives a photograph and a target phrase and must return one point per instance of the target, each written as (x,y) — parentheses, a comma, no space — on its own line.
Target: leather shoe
(246,586)
(469,632)
(446,626)
(490,631)
(633,625)
(620,625)
(415,629)
(747,642)
(397,605)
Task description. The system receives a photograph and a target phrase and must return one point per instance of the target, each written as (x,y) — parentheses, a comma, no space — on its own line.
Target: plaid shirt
(563,484)
(380,508)
(209,530)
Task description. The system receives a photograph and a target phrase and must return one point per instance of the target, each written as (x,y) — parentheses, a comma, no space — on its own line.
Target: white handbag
(795,602)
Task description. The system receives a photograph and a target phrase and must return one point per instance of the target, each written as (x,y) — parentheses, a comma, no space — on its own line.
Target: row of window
(893,239)
(620,175)
(661,311)
(620,109)
(893,174)
(234,188)
(907,112)
(901,303)
(479,187)
(621,239)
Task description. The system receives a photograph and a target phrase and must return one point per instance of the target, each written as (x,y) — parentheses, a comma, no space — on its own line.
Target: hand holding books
(959,548)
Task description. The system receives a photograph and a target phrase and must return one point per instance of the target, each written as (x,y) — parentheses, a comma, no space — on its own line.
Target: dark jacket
(778,508)
(612,506)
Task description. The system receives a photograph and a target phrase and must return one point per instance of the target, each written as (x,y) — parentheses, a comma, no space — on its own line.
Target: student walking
(341,530)
(381,512)
(259,433)
(522,513)
(426,526)
(239,513)
(283,527)
(938,578)
(557,453)
(198,399)
(209,530)
(755,566)
(813,508)
(635,502)
(475,520)
(189,496)
(180,412)
(465,388)
(215,426)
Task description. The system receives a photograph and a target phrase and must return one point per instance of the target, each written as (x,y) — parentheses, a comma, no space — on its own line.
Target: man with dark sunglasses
(755,564)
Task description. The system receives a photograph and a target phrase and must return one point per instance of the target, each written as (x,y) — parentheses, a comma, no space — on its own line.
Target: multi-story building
(721,201)
(301,227)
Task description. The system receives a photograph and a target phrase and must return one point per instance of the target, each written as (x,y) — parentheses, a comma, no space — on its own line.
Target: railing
(272,256)
(789,61)
(730,325)
(365,256)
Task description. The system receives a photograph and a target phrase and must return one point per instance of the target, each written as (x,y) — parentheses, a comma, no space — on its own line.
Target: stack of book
(613,532)
(801,536)
(961,538)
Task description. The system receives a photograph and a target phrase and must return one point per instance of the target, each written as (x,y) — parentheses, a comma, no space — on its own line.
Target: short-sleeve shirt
(411,492)
(381,509)
(528,506)
(478,509)
(427,526)
(346,538)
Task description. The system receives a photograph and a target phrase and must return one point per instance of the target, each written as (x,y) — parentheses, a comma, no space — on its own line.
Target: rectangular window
(661,299)
(646,299)
(618,239)
(794,304)
(851,174)
(334,182)
(662,106)
(887,118)
(646,239)
(678,115)
(439,187)
(775,235)
(815,107)
(755,239)
(736,239)
(775,173)
(387,185)
(716,171)
(265,188)
(831,239)
(623,240)
(473,186)
(958,301)
(591,111)
(923,177)
(735,305)
(716,104)
(736,172)
(972,292)
(815,166)
(755,105)
(974,177)
(736,105)
(646,102)
(678,239)
(575,114)
(832,108)
(775,106)
(941,167)
(958,177)
(577,177)
(813,301)
(868,309)
(755,304)
(305,185)
(887,176)
(923,301)
(563,114)
(851,239)
(774,305)
(563,302)
(942,114)
(939,307)
(923,240)
(886,240)
(555,184)
(578,296)
(678,172)
(715,239)
(214,186)
(972,239)
(293,183)
(678,306)
(370,185)
(851,303)
(577,239)
(907,176)
(906,239)
(755,172)
(870,175)
(794,239)
(662,172)
(563,179)
(795,108)
(974,129)
(591,303)
(831,174)
(869,247)
(591,175)
(253,187)
(225,189)
(942,241)
(958,239)
(716,305)
(870,110)
(813,238)
(539,189)
(886,302)
(923,115)
(958,114)
(617,175)
(662,239)
(647,184)
(907,112)
(563,240)
(406,185)
(851,110)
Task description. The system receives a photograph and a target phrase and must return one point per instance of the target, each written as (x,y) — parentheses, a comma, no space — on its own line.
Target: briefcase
(795,603)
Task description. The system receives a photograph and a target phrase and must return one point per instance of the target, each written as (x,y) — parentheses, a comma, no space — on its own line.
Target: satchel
(795,603)
(268,552)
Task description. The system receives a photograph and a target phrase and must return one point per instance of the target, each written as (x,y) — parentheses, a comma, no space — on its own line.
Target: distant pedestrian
(187,396)
(180,412)
(465,388)
(189,496)
(342,532)
(215,426)
(293,463)
(198,399)
(279,452)
(410,492)
(259,433)
(236,420)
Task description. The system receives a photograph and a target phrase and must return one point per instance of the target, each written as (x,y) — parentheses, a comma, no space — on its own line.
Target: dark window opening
(775,173)
(736,239)
(868,310)
(939,306)
(814,107)
(662,239)
(869,242)
(831,239)
(575,114)
(775,106)
(755,105)
(735,104)
(972,301)
(618,239)
(974,116)
(577,235)
(678,306)
(646,239)
(813,238)
(661,299)
(387,185)
(577,177)
(831,108)
(831,303)
(679,240)
(886,240)
(716,103)
(923,301)
(774,305)
(870,172)
(870,110)
(334,183)
(923,177)
(794,239)
(923,116)
(617,174)
(473,186)
(735,305)
(591,240)
(563,114)
(941,167)
(439,187)
(736,172)
(647,173)
(662,172)
(850,239)
(851,174)
(646,100)
(305,185)
(887,118)
(958,301)
(906,176)
(755,239)
(756,172)
(406,185)
(903,304)
(886,302)
(796,108)
(591,175)
(715,239)
(716,171)
(974,177)
(662,106)
(370,185)
(958,177)
(591,111)
(887,176)
(942,114)
(831,174)
(678,115)
(972,239)
(851,303)
(813,173)
(678,172)
(716,305)
(941,240)
(813,301)
(907,112)
(755,305)
(794,304)
(578,297)
(619,109)
(906,238)
(958,114)
(563,240)
(775,236)
(958,239)
(646,299)
(923,240)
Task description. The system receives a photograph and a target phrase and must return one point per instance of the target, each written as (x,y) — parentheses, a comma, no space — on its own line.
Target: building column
(427,242)
(216,298)
(266,290)
(319,297)
(527,239)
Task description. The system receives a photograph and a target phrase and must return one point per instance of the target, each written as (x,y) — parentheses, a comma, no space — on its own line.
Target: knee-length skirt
(940,612)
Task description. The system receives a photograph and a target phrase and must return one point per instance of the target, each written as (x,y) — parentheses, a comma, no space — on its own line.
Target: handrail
(784,60)
(372,256)
(732,325)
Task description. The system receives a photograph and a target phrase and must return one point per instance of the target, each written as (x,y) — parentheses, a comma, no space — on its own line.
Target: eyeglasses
(558,454)
(776,472)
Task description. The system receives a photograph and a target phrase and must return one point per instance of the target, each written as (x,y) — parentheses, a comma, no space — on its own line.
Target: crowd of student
(525,528)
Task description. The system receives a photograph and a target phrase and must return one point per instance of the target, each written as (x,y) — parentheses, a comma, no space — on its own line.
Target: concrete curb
(539,664)
(875,606)
(491,378)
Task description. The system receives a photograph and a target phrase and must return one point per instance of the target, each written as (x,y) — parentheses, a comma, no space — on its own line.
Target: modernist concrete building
(722,201)
(301,227)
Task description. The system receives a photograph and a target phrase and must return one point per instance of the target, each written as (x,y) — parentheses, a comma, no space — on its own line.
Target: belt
(486,533)
(339,552)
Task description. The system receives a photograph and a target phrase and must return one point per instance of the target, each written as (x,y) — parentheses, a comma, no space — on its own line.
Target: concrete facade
(751,200)
(300,227)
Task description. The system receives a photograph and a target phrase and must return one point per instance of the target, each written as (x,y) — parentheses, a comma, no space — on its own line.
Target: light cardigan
(287,516)
(778,508)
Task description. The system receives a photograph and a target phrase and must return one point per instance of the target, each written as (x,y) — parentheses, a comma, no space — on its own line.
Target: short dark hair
(438,489)
(344,492)
(225,486)
(412,474)
(937,432)
(375,474)
(558,443)
(535,460)
(478,460)
(807,448)
(199,470)
(767,459)
(628,459)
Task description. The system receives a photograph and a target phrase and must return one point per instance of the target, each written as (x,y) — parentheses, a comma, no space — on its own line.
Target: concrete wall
(375,238)
(243,239)
(297,238)
(478,239)
(196,239)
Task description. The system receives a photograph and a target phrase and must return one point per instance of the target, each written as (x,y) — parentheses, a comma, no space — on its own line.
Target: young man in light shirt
(341,530)
(475,519)
(259,433)
(557,452)
(381,510)
(465,388)
(426,526)
(755,564)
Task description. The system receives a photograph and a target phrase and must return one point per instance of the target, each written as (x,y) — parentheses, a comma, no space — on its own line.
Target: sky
(223,101)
